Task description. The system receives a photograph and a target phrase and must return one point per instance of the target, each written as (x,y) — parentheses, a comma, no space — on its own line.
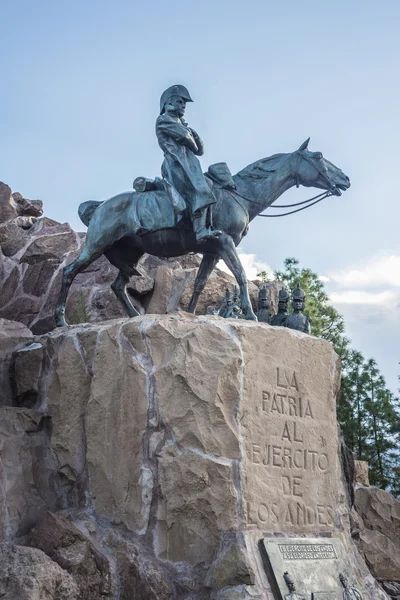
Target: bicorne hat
(174,90)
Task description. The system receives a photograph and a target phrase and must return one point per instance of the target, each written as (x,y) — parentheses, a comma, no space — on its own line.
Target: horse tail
(86,210)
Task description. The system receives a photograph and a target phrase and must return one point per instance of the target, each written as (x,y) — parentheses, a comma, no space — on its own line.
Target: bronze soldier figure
(264,314)
(181,168)
(297,320)
(281,317)
(230,307)
(349,593)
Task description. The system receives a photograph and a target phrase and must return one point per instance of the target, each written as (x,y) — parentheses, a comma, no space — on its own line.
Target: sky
(81,83)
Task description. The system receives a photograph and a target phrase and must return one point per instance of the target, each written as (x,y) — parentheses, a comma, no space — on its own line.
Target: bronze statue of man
(293,595)
(281,316)
(349,593)
(297,320)
(181,167)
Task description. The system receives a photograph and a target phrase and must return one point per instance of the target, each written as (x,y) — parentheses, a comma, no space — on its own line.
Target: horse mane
(261,168)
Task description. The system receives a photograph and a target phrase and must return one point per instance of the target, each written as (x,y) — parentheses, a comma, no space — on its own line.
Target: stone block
(287,415)
(361,472)
(12,238)
(231,568)
(28,574)
(380,511)
(381,554)
(199,501)
(8,206)
(50,247)
(57,537)
(26,374)
(21,451)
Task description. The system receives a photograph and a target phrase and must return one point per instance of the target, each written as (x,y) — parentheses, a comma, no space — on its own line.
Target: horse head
(313,170)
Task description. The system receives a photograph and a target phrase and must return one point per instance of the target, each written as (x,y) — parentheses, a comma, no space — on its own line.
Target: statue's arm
(181,134)
(199,142)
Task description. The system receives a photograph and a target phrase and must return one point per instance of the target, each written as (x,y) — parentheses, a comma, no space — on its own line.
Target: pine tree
(381,417)
(350,408)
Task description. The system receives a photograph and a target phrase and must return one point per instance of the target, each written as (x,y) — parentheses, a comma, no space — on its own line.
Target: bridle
(333,190)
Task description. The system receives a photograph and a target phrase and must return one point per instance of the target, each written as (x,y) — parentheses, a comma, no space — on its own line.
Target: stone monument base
(181,449)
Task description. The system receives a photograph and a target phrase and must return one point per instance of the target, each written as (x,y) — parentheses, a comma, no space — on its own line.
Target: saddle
(218,173)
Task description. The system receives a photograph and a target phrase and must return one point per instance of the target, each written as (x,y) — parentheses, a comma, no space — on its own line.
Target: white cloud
(376,272)
(251,265)
(361,297)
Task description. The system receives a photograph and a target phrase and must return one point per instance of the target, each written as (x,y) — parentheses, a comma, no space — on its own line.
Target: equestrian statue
(190,211)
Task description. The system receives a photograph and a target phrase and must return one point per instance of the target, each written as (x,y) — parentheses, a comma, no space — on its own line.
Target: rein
(313,201)
(308,203)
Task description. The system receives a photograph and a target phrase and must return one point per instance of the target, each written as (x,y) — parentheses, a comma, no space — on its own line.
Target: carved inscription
(294,452)
(324,596)
(307,551)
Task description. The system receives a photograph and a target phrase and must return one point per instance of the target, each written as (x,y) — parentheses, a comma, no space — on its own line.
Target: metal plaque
(313,564)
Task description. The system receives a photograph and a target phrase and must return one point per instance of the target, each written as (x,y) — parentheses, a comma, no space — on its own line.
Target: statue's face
(264,303)
(298,304)
(178,104)
(282,306)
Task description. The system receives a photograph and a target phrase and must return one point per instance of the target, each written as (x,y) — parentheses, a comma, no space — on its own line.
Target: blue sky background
(80,90)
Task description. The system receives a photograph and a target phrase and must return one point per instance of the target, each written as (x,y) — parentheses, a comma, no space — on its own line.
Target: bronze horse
(126,226)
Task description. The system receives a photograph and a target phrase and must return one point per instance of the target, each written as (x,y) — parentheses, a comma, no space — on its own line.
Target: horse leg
(69,273)
(206,268)
(232,261)
(119,289)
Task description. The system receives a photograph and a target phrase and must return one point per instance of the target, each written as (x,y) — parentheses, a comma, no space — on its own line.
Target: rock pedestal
(186,440)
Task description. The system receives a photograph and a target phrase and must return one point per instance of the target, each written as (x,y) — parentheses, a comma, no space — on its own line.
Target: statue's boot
(204,233)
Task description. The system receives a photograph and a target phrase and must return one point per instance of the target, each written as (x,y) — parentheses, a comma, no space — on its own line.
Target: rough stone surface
(380,511)
(57,537)
(381,554)
(291,450)
(8,206)
(392,588)
(28,574)
(12,238)
(12,335)
(187,437)
(141,577)
(231,568)
(26,373)
(49,248)
(28,208)
(361,472)
(28,479)
(377,531)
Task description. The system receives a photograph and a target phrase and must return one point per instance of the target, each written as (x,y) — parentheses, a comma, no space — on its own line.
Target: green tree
(350,407)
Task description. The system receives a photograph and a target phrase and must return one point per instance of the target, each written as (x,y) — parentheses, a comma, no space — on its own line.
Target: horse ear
(304,145)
